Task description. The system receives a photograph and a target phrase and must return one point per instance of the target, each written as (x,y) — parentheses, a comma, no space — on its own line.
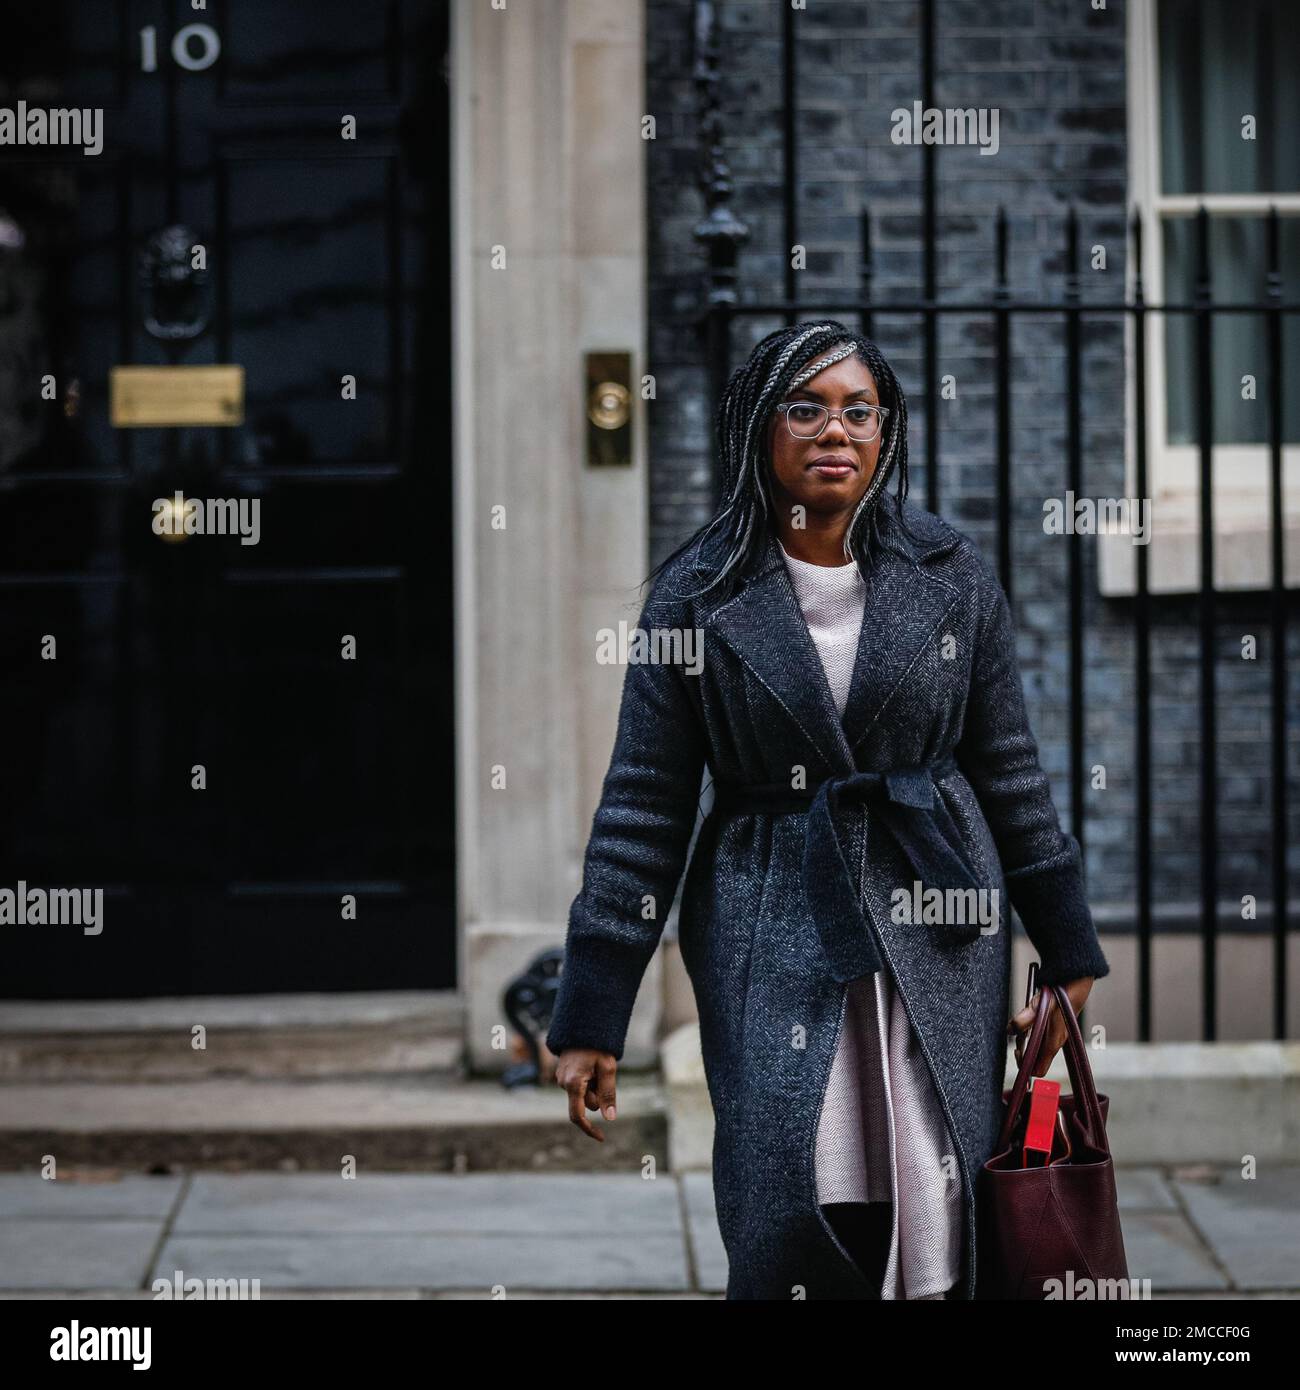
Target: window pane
(1221,60)
(1238,342)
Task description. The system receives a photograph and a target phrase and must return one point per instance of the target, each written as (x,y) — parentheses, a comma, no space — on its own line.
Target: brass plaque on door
(153,397)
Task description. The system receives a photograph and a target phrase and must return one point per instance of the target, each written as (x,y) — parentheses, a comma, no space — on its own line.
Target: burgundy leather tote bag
(1059,1222)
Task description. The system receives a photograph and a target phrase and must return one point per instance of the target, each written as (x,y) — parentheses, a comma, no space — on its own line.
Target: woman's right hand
(588,1076)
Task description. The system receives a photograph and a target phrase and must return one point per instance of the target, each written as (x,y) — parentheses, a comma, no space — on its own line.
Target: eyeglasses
(806,420)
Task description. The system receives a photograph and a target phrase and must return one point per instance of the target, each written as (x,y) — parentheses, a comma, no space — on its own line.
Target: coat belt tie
(907,804)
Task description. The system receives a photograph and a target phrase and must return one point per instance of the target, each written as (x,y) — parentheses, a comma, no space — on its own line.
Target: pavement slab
(1202,1233)
(1253,1224)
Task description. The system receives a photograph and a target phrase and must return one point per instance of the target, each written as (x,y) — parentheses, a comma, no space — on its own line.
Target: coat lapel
(764,626)
(905,603)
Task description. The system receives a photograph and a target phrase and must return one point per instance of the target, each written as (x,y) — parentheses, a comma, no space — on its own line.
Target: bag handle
(1030,1056)
(1087,1105)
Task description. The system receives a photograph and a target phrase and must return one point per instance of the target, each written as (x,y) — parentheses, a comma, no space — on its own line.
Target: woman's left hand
(1077,990)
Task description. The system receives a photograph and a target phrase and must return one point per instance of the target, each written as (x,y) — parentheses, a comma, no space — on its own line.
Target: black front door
(243,734)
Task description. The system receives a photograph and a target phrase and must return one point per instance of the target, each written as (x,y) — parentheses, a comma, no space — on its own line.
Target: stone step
(425,1123)
(281,1035)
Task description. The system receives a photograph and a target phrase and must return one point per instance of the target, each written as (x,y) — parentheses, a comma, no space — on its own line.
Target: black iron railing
(723,234)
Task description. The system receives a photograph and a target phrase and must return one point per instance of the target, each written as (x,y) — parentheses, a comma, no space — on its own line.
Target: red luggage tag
(1040,1131)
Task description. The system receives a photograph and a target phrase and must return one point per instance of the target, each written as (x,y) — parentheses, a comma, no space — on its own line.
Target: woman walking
(876,795)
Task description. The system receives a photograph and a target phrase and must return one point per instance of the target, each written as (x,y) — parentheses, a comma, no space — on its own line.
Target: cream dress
(882,1135)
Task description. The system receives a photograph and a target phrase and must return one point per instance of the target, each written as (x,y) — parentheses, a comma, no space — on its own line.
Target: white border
(1241,471)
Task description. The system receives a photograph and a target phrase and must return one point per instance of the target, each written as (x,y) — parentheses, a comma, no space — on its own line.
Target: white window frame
(1242,510)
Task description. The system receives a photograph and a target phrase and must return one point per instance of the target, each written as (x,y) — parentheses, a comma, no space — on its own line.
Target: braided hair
(775,367)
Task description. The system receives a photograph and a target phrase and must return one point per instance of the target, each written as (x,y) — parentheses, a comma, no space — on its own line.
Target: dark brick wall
(1055,71)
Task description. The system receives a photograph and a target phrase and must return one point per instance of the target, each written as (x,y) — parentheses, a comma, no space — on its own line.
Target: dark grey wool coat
(768,951)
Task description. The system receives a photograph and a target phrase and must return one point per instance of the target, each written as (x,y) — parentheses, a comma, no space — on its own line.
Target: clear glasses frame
(873,425)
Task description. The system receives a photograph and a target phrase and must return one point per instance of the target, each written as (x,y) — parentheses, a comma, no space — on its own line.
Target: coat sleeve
(637,848)
(999,756)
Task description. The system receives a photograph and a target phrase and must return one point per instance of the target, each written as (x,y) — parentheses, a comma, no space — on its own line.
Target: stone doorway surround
(548,169)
